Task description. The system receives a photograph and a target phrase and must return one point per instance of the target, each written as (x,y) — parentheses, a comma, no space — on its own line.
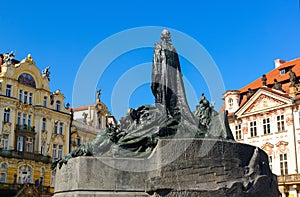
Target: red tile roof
(275,74)
(80,108)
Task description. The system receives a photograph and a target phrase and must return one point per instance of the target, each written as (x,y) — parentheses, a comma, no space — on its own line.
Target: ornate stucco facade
(34,123)
(266,113)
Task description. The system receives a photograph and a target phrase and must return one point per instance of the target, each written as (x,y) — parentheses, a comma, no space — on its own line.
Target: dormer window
(282,72)
(230,102)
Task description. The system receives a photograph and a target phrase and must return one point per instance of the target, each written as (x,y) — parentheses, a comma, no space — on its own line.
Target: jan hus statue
(167,84)
(137,133)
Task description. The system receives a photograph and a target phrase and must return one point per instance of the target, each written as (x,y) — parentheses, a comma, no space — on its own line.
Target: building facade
(88,121)
(266,114)
(34,123)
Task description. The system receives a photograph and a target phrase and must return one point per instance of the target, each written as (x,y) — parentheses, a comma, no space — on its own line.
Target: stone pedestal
(177,167)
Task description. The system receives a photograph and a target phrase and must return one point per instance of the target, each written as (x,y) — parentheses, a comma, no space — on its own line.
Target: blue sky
(242,37)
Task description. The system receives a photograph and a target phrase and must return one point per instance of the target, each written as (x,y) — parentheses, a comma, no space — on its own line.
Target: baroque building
(266,113)
(88,121)
(34,124)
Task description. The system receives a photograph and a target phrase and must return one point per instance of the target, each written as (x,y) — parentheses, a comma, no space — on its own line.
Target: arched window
(6,114)
(58,105)
(3,173)
(27,79)
(25,174)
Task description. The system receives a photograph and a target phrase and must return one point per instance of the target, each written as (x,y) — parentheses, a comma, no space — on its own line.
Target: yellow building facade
(34,123)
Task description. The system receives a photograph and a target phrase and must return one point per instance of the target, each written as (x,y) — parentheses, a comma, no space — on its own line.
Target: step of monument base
(100,194)
(204,167)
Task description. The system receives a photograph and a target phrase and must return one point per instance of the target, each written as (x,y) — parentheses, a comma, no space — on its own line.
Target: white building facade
(267,115)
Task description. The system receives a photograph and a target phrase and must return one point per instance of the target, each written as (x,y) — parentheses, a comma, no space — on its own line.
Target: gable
(263,100)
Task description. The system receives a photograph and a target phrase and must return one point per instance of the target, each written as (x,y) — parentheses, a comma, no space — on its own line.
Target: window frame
(238,132)
(283,164)
(3,172)
(8,90)
(6,115)
(45,101)
(280,123)
(30,98)
(54,151)
(25,96)
(253,128)
(266,126)
(61,128)
(58,105)
(20,95)
(5,141)
(29,144)
(44,124)
(20,143)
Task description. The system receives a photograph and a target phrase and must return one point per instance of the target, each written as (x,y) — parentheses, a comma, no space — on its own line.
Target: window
(238,132)
(42,176)
(282,72)
(24,119)
(43,148)
(55,127)
(61,128)
(60,151)
(44,124)
(45,101)
(8,90)
(20,143)
(20,95)
(253,129)
(29,121)
(230,102)
(58,105)
(280,123)
(4,142)
(19,118)
(266,126)
(283,164)
(3,173)
(270,161)
(6,114)
(78,141)
(25,174)
(30,98)
(29,144)
(25,96)
(54,151)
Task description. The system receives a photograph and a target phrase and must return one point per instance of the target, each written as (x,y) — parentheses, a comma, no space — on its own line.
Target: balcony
(25,128)
(25,155)
(289,178)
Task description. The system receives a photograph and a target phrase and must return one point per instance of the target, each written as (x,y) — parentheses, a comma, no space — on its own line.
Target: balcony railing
(285,179)
(25,128)
(25,155)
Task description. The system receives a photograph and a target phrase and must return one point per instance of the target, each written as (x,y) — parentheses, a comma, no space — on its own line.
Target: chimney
(278,62)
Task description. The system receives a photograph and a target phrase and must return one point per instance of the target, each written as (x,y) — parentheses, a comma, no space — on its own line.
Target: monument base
(177,167)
